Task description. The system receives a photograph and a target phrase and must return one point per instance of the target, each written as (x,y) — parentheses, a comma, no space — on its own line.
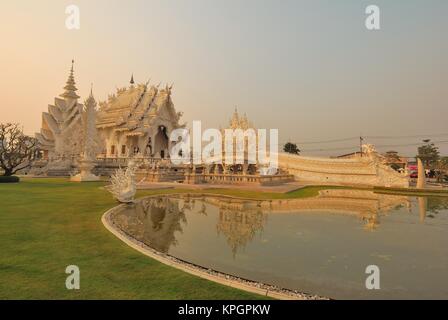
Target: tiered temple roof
(240,121)
(61,117)
(132,109)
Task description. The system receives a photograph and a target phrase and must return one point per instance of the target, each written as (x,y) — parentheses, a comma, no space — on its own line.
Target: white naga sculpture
(123,186)
(368,170)
(87,163)
(386,176)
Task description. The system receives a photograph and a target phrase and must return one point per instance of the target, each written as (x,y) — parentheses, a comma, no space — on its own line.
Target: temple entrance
(133,146)
(161,142)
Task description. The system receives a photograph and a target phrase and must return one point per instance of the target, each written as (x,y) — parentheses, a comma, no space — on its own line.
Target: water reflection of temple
(364,204)
(156,220)
(153,221)
(239,227)
(367,205)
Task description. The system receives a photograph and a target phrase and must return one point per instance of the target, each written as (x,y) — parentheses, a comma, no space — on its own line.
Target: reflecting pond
(318,245)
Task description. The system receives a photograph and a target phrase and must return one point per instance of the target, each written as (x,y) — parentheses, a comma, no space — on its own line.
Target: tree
(291,148)
(441,169)
(428,153)
(392,156)
(393,159)
(17,151)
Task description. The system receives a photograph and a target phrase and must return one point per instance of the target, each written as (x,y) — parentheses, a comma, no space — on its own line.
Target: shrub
(9,179)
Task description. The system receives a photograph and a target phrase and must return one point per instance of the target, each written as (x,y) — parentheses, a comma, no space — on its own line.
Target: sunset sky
(309,68)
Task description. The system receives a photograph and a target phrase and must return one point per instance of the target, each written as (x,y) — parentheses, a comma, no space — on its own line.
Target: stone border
(413,192)
(208,274)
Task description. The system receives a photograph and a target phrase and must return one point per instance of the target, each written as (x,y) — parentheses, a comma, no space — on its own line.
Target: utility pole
(361,139)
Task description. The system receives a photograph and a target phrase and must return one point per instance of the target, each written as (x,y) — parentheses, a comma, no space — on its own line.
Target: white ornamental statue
(386,176)
(123,186)
(370,151)
(87,163)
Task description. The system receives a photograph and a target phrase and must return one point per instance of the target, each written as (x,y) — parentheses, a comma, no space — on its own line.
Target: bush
(9,179)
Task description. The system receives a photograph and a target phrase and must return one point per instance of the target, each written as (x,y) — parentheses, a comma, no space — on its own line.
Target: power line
(371,137)
(330,149)
(376,146)
(326,141)
(405,137)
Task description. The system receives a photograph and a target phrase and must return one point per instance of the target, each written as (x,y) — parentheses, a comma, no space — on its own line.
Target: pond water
(316,245)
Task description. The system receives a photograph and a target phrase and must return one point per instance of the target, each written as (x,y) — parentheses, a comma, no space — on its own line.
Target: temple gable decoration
(137,121)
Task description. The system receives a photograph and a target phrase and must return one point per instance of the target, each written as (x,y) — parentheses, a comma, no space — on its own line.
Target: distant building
(393,159)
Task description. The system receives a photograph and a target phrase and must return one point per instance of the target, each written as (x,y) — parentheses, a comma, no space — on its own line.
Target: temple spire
(70,88)
(235,120)
(90,102)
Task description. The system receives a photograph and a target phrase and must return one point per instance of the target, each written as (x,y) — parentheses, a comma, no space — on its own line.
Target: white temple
(61,132)
(136,122)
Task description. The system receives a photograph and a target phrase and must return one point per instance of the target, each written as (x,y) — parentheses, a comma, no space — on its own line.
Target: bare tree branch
(17,151)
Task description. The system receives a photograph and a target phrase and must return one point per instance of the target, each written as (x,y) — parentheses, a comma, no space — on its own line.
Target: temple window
(112,150)
(123,149)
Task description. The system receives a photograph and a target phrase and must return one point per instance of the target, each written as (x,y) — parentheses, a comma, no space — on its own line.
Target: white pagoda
(60,135)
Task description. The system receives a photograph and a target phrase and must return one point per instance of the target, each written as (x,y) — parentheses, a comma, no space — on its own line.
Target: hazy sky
(309,68)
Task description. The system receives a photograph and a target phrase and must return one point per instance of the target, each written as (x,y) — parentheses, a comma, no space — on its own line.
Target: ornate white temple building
(61,131)
(136,122)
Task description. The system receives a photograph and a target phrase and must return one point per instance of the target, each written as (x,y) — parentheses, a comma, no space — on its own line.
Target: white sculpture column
(421,180)
(89,155)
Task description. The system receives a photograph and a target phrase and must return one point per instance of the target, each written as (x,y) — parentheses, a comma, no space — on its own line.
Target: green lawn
(48,224)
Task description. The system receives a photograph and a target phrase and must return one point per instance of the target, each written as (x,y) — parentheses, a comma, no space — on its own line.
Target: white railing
(237,178)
